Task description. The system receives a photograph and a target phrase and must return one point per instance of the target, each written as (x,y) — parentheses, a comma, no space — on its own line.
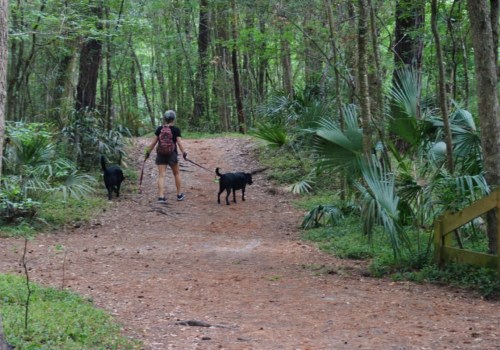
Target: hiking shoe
(180,197)
(162,200)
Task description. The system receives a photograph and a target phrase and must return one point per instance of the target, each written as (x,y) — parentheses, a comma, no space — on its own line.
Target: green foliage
(285,166)
(35,171)
(275,135)
(405,94)
(14,207)
(57,213)
(339,147)
(480,279)
(301,187)
(87,137)
(322,215)
(343,240)
(57,320)
(380,204)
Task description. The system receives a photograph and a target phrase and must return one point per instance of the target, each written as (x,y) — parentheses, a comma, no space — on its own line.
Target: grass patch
(480,279)
(345,240)
(284,166)
(57,319)
(54,214)
(57,213)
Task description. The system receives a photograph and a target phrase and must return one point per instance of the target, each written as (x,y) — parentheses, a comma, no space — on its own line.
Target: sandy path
(243,269)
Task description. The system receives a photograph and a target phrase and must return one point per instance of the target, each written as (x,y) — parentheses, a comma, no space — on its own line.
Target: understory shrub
(57,319)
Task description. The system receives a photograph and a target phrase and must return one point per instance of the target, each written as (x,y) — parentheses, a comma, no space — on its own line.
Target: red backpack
(166,145)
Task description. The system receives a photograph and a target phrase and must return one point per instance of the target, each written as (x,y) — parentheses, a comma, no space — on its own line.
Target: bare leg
(177,177)
(161,180)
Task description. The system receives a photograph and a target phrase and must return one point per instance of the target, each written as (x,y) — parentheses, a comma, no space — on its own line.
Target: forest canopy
(369,86)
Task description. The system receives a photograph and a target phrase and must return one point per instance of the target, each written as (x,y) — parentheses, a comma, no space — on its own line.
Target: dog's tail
(103,163)
(217,172)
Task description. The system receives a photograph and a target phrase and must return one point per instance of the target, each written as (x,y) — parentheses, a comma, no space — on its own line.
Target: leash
(142,174)
(198,165)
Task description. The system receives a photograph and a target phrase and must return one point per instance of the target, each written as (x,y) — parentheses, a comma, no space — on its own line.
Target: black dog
(233,181)
(113,177)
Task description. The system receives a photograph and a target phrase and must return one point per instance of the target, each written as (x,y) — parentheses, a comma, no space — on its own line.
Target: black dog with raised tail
(232,182)
(113,178)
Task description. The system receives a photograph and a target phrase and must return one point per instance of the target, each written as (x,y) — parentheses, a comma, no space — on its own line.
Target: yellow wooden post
(438,240)
(497,209)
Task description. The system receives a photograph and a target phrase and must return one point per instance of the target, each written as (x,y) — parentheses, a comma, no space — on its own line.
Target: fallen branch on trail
(195,323)
(161,211)
(258,170)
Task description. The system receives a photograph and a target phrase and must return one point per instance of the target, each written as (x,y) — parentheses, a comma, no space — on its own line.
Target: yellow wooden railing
(448,223)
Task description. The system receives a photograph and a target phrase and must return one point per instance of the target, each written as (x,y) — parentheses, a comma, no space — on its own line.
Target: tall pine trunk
(201,79)
(443,100)
(236,74)
(90,60)
(3,73)
(222,85)
(364,89)
(485,67)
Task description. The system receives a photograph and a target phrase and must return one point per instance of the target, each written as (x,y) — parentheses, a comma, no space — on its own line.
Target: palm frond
(380,203)
(322,215)
(301,187)
(405,94)
(75,186)
(275,135)
(339,148)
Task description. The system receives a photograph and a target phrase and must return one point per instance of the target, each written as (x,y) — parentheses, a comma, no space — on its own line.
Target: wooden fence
(447,225)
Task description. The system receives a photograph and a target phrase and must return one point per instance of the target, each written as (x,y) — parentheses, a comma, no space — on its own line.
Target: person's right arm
(151,146)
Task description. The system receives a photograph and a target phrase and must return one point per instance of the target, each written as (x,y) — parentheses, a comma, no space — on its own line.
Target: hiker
(168,138)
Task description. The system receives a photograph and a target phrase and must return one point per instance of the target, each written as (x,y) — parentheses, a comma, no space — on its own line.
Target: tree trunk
(143,86)
(313,63)
(364,89)
(18,87)
(485,68)
(377,103)
(236,75)
(203,45)
(286,65)
(408,49)
(409,40)
(494,15)
(351,52)
(162,83)
(109,76)
(90,59)
(443,101)
(222,84)
(63,94)
(3,75)
(263,63)
(134,95)
(409,44)
(338,96)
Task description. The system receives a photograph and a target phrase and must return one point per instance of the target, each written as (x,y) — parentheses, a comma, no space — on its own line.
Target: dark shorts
(167,160)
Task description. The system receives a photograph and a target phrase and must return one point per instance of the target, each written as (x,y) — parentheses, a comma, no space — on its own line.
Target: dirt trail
(242,269)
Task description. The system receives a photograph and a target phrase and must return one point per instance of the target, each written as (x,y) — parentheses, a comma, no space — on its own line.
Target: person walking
(168,138)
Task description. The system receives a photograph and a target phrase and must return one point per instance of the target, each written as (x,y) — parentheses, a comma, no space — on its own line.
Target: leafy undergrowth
(345,240)
(57,319)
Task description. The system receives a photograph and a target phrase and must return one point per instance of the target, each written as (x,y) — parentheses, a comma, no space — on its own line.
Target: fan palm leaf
(380,203)
(339,148)
(405,98)
(322,215)
(275,135)
(75,186)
